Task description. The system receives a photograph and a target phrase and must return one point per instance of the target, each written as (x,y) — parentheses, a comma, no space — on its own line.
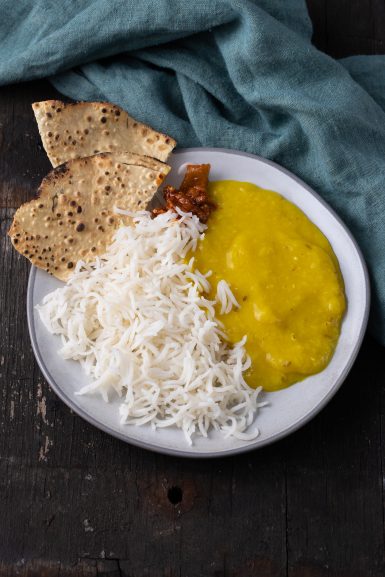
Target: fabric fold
(238,74)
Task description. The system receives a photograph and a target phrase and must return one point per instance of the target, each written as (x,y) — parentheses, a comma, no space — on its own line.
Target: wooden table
(77,502)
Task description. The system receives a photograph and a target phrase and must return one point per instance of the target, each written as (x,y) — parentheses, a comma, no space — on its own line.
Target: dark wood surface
(76,502)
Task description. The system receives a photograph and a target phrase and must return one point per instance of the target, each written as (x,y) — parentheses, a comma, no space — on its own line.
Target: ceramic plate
(288,409)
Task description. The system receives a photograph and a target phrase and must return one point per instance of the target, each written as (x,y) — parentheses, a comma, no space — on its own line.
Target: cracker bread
(82,129)
(73,217)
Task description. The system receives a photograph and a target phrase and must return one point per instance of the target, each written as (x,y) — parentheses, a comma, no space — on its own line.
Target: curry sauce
(285,276)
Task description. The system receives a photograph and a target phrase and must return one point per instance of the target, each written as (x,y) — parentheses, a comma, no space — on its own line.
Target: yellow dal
(284,274)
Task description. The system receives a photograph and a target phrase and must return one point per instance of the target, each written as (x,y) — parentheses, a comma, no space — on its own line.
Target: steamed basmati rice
(141,324)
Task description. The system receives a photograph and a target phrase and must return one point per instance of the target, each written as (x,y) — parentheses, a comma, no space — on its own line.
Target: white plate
(289,408)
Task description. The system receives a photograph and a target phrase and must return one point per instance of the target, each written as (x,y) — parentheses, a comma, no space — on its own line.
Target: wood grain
(22,160)
(348,27)
(76,502)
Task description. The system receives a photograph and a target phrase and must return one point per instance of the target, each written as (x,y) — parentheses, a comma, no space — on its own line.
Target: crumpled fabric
(238,74)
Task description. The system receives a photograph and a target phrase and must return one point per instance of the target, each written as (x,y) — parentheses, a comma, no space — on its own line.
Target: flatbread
(85,128)
(73,217)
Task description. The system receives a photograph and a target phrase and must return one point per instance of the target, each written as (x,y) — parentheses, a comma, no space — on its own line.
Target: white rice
(225,297)
(139,322)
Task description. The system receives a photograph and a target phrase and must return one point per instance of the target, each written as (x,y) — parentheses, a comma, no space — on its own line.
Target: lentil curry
(285,276)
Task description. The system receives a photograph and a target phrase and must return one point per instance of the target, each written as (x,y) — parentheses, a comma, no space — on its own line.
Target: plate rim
(256,443)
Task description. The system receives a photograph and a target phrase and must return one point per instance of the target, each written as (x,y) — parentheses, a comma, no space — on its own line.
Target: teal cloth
(227,73)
